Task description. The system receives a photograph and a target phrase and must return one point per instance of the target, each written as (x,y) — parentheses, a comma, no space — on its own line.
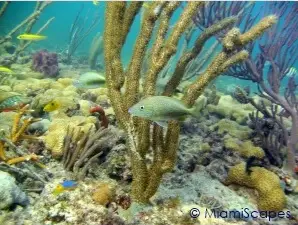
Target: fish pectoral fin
(163,124)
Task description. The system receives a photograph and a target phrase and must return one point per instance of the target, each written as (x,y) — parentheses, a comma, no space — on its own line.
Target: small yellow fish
(95,2)
(31,37)
(58,189)
(52,106)
(5,69)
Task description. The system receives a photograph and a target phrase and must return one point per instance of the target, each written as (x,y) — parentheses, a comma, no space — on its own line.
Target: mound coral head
(46,63)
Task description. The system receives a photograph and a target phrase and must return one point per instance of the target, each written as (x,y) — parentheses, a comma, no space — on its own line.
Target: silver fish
(162,109)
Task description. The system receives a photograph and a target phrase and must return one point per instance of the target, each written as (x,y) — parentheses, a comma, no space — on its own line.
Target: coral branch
(141,139)
(103,118)
(134,69)
(30,18)
(22,159)
(187,57)
(257,30)
(18,129)
(80,29)
(3,8)
(223,60)
(2,151)
(80,149)
(273,56)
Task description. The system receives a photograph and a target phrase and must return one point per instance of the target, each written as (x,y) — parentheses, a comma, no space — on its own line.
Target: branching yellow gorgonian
(141,137)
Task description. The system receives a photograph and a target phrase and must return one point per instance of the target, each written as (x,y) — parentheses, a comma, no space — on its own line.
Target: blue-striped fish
(66,185)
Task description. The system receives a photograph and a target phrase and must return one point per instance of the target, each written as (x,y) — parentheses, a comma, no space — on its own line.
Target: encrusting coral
(246,148)
(229,108)
(231,128)
(271,195)
(119,18)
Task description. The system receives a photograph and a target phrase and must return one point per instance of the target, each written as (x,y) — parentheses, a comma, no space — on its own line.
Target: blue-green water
(65,13)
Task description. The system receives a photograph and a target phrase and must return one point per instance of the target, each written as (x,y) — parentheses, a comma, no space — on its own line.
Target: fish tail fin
(198,107)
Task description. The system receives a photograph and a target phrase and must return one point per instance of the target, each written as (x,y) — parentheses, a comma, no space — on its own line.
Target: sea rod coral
(275,54)
(27,24)
(141,139)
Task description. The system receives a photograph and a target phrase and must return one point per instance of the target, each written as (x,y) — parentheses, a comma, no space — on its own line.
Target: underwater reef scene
(150,113)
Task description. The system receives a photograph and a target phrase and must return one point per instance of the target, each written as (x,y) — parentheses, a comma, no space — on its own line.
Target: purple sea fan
(46,63)
(271,58)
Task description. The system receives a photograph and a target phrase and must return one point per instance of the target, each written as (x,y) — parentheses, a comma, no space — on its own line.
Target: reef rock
(39,126)
(10,193)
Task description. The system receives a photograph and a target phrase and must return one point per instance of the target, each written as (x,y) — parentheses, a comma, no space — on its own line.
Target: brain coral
(267,183)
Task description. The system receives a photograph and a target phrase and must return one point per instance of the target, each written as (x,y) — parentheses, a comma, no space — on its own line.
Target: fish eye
(141,107)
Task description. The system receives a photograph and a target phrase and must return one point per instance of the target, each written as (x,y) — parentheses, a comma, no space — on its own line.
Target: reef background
(209,147)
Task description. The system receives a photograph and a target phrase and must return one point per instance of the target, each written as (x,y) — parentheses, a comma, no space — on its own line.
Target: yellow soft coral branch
(224,59)
(17,132)
(16,160)
(16,136)
(18,128)
(140,137)
(194,52)
(134,69)
(2,151)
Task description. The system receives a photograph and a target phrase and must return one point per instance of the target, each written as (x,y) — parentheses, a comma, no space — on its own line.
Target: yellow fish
(52,106)
(5,69)
(58,189)
(95,2)
(31,37)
